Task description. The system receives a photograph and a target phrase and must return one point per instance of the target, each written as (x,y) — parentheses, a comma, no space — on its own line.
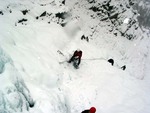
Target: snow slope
(36,47)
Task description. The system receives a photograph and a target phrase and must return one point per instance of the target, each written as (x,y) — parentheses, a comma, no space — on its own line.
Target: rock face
(14,95)
(113,13)
(143,8)
(110,13)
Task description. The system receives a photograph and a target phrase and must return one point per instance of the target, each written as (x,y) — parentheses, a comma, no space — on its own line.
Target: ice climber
(76,58)
(123,67)
(91,110)
(111,61)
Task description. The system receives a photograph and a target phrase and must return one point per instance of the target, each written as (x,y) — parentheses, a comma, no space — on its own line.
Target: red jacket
(77,53)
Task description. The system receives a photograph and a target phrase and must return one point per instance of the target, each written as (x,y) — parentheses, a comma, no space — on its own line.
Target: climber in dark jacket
(76,56)
(91,110)
(111,61)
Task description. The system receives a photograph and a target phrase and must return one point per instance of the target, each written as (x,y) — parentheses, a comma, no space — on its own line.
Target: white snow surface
(126,21)
(33,57)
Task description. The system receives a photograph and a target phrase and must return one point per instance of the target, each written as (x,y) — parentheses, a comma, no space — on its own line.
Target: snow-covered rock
(107,13)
